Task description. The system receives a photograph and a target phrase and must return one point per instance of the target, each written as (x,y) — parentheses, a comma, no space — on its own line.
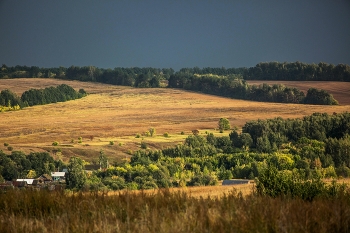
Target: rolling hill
(118,113)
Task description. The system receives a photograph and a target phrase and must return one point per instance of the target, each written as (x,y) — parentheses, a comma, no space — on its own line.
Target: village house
(235,182)
(29,181)
(58,176)
(45,178)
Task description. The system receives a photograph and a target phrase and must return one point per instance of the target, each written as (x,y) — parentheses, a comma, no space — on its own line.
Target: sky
(173,34)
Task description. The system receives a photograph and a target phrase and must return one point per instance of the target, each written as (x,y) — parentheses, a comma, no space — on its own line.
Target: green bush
(343,171)
(55,143)
(132,186)
(152,131)
(224,124)
(143,145)
(82,92)
(224,174)
(6,144)
(111,143)
(202,180)
(166,134)
(273,183)
(116,183)
(10,148)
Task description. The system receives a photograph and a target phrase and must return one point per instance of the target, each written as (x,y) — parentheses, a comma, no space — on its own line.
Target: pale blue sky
(173,34)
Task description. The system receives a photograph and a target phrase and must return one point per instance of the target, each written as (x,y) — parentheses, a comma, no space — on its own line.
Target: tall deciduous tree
(103,161)
(76,177)
(152,131)
(224,124)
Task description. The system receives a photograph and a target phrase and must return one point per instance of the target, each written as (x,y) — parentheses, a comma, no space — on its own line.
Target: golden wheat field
(216,191)
(116,113)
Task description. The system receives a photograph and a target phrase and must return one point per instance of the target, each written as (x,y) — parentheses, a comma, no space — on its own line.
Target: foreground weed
(165,211)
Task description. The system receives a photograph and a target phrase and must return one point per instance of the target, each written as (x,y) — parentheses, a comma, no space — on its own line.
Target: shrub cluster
(32,97)
(18,164)
(48,95)
(276,183)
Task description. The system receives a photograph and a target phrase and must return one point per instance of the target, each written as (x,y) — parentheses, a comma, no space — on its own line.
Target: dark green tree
(224,124)
(102,160)
(76,176)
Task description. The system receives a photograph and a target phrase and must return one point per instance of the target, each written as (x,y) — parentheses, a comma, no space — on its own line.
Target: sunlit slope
(115,113)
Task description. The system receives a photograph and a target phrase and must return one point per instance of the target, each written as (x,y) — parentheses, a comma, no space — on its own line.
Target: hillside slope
(115,113)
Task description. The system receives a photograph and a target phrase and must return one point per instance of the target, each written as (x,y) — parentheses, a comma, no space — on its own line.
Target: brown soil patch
(115,113)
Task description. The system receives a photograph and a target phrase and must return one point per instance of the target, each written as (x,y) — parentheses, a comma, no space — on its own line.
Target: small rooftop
(55,174)
(235,181)
(29,181)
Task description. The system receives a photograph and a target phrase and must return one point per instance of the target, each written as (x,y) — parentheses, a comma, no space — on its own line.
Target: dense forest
(218,81)
(61,93)
(316,146)
(298,71)
(293,71)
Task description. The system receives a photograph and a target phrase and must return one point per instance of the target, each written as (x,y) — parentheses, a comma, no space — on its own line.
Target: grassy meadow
(117,113)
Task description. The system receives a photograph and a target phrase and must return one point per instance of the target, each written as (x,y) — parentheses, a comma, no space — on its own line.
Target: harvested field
(115,113)
(218,191)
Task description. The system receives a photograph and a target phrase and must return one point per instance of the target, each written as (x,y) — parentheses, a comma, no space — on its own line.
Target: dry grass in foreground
(115,113)
(164,211)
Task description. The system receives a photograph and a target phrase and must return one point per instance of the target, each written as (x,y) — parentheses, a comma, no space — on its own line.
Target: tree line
(234,86)
(32,97)
(218,81)
(314,147)
(116,76)
(298,71)
(293,71)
